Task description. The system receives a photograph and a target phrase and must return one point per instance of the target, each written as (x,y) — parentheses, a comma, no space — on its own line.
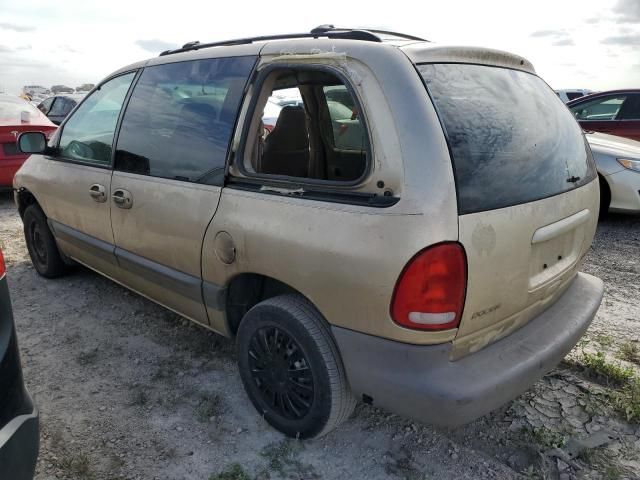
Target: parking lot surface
(127,389)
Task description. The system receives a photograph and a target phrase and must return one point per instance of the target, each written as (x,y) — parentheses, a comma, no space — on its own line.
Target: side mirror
(32,142)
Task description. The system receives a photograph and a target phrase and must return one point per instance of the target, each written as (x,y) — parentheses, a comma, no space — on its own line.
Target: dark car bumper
(422,383)
(19,443)
(19,428)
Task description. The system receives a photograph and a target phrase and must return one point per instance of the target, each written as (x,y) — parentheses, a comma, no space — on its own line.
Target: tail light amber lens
(430,291)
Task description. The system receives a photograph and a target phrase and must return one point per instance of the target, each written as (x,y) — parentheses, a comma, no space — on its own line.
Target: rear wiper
(573,179)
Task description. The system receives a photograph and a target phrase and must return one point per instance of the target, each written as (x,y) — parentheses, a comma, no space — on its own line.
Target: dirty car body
(433,259)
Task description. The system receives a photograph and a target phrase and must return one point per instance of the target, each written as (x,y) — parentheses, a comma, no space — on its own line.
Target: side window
(68,106)
(46,105)
(306,124)
(180,118)
(630,110)
(58,108)
(600,109)
(88,134)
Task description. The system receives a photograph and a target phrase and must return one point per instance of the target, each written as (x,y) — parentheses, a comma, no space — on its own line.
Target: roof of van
(417,49)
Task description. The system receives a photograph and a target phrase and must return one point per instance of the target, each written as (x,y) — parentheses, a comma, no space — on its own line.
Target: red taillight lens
(429,294)
(3,269)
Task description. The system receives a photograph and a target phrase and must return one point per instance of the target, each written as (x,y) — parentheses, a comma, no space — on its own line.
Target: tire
(605,198)
(291,368)
(42,247)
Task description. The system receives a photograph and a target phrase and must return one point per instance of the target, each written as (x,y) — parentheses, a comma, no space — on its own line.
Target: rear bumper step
(422,383)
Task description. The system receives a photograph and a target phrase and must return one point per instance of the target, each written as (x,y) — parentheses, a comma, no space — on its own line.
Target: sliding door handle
(98,193)
(122,198)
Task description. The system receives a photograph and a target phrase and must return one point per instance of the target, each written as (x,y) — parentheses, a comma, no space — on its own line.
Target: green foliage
(232,472)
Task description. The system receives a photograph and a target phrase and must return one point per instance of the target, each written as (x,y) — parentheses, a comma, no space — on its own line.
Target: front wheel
(291,369)
(42,247)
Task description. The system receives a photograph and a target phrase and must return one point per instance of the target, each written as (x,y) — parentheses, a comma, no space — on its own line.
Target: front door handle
(122,198)
(98,193)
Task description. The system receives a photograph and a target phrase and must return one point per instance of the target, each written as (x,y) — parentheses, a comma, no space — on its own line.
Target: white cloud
(80,41)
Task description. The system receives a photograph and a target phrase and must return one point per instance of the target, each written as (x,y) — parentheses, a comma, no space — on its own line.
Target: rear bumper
(19,443)
(422,383)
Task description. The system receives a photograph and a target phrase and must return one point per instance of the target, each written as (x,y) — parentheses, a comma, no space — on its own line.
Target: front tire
(291,369)
(42,247)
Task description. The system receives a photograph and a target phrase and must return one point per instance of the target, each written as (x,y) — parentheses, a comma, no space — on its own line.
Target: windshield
(512,140)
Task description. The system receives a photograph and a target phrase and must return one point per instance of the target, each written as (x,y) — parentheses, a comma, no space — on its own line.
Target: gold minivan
(405,229)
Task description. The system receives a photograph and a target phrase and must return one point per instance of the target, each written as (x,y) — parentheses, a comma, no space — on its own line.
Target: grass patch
(625,395)
(232,472)
(627,401)
(545,437)
(605,372)
(604,462)
(209,407)
(76,466)
(604,340)
(282,458)
(629,352)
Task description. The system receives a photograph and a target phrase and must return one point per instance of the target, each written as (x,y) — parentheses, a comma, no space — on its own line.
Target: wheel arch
(25,198)
(247,289)
(605,194)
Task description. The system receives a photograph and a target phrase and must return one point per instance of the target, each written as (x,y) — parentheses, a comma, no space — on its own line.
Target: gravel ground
(127,389)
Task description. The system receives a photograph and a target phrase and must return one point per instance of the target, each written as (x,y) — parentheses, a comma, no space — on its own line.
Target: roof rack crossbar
(328,31)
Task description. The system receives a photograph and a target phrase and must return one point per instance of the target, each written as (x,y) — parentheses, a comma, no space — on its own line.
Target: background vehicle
(345,268)
(33,90)
(85,87)
(61,89)
(616,112)
(19,428)
(618,163)
(572,94)
(57,108)
(17,116)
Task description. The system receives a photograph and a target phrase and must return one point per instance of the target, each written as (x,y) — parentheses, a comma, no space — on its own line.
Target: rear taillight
(3,269)
(429,294)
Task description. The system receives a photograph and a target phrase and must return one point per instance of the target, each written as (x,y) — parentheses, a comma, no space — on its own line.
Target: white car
(618,164)
(566,95)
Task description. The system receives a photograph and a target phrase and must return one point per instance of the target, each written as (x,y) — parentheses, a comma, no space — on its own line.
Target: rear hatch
(527,193)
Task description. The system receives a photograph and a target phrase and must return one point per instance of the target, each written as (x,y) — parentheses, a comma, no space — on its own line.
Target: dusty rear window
(512,140)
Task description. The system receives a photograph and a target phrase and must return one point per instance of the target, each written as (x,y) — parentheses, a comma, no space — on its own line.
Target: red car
(17,116)
(616,112)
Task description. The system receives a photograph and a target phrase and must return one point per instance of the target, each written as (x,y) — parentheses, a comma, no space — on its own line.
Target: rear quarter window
(511,138)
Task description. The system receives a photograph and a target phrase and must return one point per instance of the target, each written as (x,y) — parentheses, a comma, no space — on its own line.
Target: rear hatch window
(512,140)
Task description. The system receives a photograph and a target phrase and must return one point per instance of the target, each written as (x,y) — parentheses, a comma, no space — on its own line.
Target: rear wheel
(291,369)
(42,247)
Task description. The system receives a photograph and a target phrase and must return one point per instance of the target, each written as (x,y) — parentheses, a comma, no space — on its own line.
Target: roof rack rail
(331,28)
(328,31)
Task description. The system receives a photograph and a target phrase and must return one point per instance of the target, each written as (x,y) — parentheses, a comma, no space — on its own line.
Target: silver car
(618,164)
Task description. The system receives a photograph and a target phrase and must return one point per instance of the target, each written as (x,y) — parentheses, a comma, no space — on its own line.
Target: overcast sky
(591,44)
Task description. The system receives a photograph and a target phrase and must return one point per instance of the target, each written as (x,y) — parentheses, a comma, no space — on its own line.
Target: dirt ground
(129,390)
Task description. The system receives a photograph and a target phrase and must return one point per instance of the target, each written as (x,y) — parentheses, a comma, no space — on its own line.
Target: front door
(168,174)
(76,181)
